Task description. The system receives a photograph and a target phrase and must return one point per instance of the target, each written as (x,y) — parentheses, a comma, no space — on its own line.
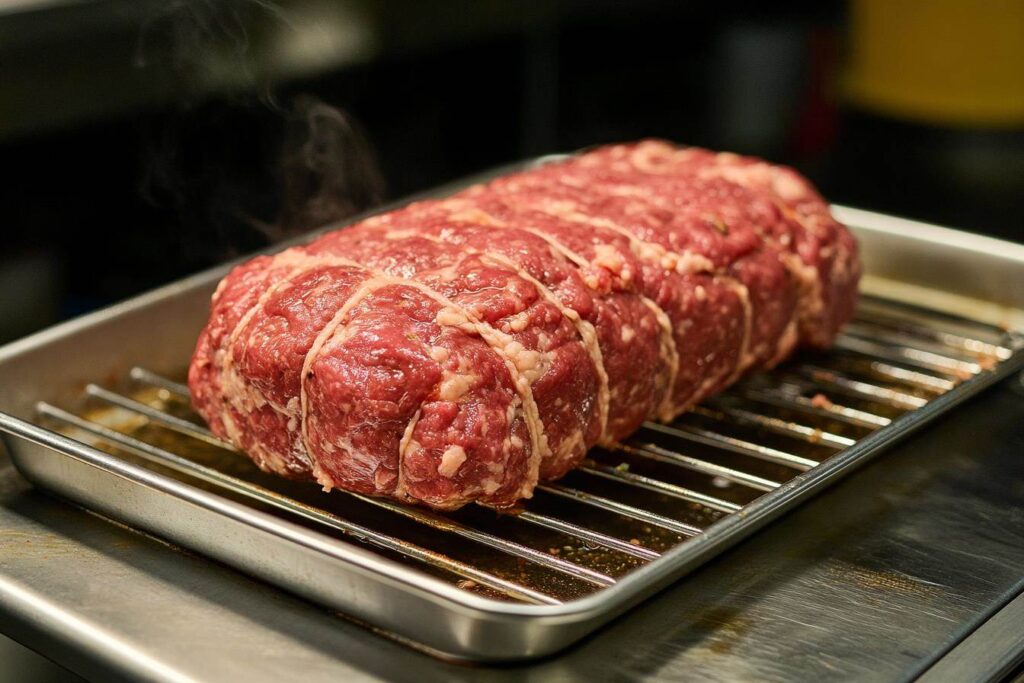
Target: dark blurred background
(143,140)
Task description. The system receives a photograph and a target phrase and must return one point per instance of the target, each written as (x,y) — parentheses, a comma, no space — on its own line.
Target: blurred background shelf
(142,140)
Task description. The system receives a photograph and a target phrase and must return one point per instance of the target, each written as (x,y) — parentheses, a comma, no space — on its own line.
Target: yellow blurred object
(946,62)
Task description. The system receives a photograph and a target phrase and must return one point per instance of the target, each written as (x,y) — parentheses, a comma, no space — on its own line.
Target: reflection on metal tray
(113,431)
(621,509)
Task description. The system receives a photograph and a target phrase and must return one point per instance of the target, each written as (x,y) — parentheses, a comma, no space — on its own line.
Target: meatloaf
(465,348)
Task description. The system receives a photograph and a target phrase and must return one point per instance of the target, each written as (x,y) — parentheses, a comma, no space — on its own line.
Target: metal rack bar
(733,444)
(170,421)
(654,452)
(865,316)
(658,486)
(446,524)
(837,380)
(880,358)
(638,514)
(826,410)
(777,425)
(898,347)
(869,304)
(145,376)
(588,535)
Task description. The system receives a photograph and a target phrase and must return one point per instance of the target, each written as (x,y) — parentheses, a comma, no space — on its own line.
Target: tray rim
(604,603)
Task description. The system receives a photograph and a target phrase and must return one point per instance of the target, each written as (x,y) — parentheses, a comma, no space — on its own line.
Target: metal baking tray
(89,412)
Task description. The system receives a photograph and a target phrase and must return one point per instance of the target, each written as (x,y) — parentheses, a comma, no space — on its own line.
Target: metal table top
(875,579)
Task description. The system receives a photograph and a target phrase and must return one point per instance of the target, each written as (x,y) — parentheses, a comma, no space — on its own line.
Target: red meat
(463,349)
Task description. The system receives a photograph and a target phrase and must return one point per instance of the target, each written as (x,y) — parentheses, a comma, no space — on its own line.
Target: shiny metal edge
(513,631)
(963,273)
(929,233)
(989,653)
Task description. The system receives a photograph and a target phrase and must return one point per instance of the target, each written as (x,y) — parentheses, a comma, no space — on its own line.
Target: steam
(329,170)
(248,165)
(205,44)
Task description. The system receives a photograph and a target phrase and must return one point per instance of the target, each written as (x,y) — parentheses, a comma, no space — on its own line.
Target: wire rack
(624,507)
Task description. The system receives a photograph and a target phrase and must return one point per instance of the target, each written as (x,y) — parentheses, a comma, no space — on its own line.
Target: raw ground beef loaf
(463,349)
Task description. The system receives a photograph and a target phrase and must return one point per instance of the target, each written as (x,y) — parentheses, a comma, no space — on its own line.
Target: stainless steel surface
(395,596)
(19,664)
(989,654)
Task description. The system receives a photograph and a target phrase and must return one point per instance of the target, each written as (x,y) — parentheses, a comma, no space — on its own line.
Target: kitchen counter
(882,577)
